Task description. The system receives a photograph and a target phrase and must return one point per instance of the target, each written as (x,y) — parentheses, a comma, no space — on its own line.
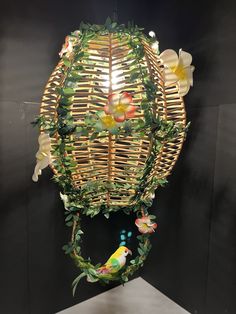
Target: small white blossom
(155,46)
(65,200)
(152,34)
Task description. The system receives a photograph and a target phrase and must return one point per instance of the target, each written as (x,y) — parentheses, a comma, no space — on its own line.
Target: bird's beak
(129,252)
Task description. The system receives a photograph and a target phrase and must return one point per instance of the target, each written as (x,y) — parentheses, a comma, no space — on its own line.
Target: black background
(194,250)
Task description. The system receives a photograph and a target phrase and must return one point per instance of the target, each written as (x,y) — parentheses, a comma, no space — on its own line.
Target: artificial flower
(145,225)
(67,47)
(155,43)
(120,106)
(76,33)
(151,195)
(43,155)
(178,69)
(155,46)
(65,200)
(152,34)
(106,122)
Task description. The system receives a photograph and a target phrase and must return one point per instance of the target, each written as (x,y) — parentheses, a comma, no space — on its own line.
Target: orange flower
(120,106)
(145,225)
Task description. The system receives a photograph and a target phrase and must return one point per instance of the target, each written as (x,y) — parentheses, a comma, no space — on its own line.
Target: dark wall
(193,254)
(194,251)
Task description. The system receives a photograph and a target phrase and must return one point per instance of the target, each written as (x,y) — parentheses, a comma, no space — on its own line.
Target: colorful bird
(116,261)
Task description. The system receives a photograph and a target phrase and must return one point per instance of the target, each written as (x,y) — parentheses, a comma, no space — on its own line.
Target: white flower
(145,224)
(76,33)
(68,46)
(65,200)
(152,34)
(43,155)
(152,196)
(178,69)
(155,46)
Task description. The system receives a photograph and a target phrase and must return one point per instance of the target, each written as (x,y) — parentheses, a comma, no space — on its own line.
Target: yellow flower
(108,122)
(178,69)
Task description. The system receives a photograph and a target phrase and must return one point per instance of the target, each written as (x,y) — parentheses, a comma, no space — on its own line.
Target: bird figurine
(115,262)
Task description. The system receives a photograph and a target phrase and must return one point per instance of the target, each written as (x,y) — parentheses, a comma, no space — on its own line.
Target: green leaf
(94,136)
(62,111)
(140,251)
(69,148)
(145,105)
(65,101)
(79,56)
(134,76)
(77,237)
(68,91)
(65,247)
(113,25)
(114,131)
(80,232)
(76,281)
(66,130)
(125,278)
(78,68)
(92,278)
(74,77)
(66,62)
(148,117)
(69,217)
(108,21)
(69,223)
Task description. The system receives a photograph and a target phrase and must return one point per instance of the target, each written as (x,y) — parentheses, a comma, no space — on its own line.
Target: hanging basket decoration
(112,124)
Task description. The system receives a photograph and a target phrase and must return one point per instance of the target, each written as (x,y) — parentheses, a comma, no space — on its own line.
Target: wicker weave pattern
(108,158)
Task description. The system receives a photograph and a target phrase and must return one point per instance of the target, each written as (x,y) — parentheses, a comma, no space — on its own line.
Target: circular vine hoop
(101,169)
(91,271)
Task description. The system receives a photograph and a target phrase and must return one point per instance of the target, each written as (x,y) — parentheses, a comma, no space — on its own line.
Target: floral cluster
(118,109)
(68,46)
(145,224)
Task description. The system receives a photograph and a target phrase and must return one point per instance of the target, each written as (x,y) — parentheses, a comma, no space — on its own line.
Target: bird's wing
(114,264)
(111,266)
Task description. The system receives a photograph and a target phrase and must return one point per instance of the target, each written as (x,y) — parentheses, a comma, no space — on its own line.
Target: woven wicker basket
(110,158)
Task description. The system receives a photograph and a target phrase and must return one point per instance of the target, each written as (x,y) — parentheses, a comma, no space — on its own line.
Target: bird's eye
(126,251)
